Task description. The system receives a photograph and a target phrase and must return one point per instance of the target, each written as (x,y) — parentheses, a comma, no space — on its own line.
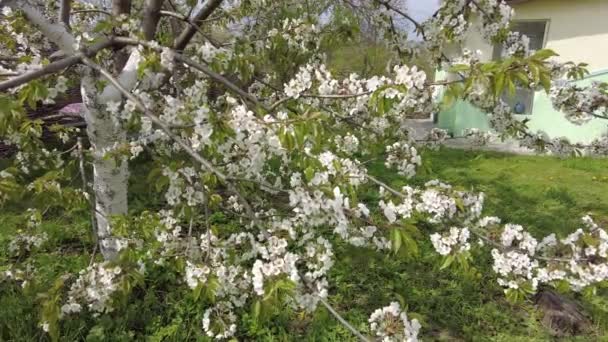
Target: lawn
(542,193)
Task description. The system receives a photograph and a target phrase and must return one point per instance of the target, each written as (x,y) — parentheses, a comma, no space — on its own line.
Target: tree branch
(64,12)
(204,69)
(55,66)
(151,17)
(184,38)
(100,11)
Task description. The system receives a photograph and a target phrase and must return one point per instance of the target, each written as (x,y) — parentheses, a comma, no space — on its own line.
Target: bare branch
(418,26)
(184,38)
(342,320)
(221,79)
(47,70)
(100,11)
(151,17)
(64,12)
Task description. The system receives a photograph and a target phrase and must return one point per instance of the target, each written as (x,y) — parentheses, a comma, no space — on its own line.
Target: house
(575,29)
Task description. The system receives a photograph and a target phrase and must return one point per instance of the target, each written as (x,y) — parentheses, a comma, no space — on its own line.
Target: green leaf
(447,262)
(544,54)
(499,85)
(256,309)
(545,81)
(510,86)
(396,240)
(309,173)
(459,68)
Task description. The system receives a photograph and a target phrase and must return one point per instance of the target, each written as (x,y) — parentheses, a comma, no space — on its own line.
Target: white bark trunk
(110,179)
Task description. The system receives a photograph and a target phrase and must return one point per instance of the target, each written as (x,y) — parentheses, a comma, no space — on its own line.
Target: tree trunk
(110,178)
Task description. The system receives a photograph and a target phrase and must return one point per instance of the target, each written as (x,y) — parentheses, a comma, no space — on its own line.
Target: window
(521,102)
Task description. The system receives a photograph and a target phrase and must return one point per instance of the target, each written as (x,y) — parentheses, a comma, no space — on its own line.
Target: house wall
(578,32)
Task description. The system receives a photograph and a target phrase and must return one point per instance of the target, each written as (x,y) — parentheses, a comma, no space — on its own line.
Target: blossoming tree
(255,126)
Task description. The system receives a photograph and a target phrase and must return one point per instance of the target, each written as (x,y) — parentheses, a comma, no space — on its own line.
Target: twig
(342,320)
(333,311)
(100,11)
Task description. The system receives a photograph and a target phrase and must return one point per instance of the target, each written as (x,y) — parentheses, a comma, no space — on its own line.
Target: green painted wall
(463,115)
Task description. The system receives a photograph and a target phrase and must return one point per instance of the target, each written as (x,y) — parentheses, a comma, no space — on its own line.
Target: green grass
(365,59)
(544,194)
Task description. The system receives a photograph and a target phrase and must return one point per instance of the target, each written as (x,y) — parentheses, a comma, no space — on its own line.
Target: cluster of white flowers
(207,52)
(599,146)
(94,288)
(516,44)
(581,259)
(478,137)
(516,265)
(496,17)
(404,157)
(167,59)
(514,233)
(19,275)
(23,244)
(438,201)
(578,103)
(501,117)
(435,138)
(407,90)
(219,321)
(298,33)
(446,243)
(196,275)
(447,25)
(467,57)
(347,144)
(301,82)
(390,324)
(560,146)
(409,77)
